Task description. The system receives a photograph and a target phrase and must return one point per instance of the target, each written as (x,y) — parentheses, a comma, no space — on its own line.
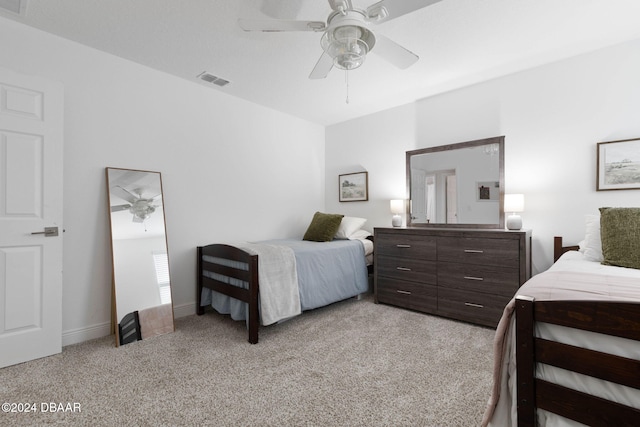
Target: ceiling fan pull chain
(346,79)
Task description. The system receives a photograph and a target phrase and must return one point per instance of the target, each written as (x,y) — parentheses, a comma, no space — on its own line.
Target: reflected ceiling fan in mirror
(347,37)
(140,207)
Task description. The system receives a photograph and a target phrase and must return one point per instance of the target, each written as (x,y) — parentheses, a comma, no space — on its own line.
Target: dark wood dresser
(463,274)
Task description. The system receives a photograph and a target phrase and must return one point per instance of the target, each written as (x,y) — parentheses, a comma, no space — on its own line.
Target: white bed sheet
(368,250)
(505,413)
(576,261)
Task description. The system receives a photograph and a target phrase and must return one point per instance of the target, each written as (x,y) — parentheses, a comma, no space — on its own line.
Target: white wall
(231,170)
(135,274)
(376,144)
(552,117)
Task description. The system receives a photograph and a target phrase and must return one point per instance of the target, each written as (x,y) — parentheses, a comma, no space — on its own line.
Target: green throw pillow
(620,232)
(323,227)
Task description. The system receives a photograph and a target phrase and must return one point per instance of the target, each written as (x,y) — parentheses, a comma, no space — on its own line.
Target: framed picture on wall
(487,191)
(618,165)
(353,187)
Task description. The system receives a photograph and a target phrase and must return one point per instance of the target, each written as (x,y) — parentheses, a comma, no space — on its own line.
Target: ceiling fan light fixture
(142,209)
(348,45)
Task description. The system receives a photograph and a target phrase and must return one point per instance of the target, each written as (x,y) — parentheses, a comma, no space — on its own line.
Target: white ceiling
(459,42)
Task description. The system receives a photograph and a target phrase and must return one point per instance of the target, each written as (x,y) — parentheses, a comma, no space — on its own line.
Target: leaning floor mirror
(142,306)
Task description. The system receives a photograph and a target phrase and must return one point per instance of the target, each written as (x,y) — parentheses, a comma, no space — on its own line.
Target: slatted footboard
(225,269)
(620,319)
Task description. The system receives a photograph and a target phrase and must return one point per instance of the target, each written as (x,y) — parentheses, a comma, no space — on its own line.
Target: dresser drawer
(470,250)
(406,246)
(415,296)
(475,307)
(407,269)
(479,278)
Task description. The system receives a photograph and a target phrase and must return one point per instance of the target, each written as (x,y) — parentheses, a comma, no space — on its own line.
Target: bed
(566,348)
(267,282)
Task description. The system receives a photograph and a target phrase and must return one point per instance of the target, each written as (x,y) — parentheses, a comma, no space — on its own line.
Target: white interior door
(452,199)
(418,196)
(31,121)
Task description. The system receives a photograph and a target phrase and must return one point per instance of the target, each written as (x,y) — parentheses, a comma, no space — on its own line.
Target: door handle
(48,232)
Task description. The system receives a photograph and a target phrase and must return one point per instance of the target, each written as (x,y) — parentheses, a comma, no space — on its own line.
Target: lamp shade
(397,206)
(514,202)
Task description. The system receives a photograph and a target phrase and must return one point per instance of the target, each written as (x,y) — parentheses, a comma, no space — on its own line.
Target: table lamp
(514,203)
(397,208)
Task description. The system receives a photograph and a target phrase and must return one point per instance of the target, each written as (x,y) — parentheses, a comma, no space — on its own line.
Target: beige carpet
(354,363)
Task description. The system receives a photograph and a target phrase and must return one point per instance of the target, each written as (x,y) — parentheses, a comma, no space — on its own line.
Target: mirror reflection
(457,185)
(142,285)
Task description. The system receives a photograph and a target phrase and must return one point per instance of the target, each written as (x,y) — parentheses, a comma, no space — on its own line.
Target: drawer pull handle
(403,269)
(403,246)
(470,304)
(473,251)
(403,292)
(473,278)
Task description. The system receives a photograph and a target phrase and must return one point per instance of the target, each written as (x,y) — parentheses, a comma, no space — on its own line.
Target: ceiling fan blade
(119,208)
(276,25)
(386,10)
(394,53)
(322,68)
(124,194)
(340,5)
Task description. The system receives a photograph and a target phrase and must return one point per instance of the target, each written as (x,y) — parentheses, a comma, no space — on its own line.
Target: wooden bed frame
(620,319)
(249,275)
(559,249)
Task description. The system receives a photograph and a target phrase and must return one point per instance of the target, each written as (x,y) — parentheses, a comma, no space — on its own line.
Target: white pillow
(360,235)
(348,226)
(592,241)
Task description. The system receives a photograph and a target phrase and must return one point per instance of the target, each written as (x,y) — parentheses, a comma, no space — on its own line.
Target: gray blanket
(279,295)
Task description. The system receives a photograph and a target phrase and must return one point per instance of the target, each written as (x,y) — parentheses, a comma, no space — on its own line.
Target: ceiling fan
(347,37)
(141,208)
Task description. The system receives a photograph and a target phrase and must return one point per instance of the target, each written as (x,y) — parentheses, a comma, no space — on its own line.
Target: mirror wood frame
(150,320)
(462,145)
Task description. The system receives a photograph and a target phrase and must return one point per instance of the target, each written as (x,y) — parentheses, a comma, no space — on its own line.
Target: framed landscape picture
(353,187)
(618,165)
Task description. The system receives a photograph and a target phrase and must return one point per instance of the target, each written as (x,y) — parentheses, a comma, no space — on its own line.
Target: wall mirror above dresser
(457,185)
(142,304)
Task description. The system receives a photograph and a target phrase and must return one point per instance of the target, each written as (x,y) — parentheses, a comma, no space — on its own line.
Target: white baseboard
(79,335)
(184,310)
(75,336)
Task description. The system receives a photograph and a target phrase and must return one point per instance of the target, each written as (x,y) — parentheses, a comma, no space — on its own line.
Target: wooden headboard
(558,249)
